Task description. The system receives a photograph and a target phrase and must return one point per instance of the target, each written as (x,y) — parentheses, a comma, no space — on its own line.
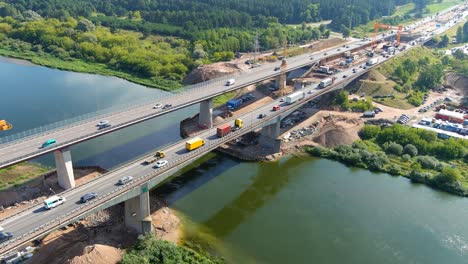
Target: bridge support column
(205,117)
(137,213)
(269,136)
(278,82)
(63,162)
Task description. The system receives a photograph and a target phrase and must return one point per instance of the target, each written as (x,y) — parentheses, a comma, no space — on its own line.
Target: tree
(449,175)
(345,31)
(394,149)
(459,54)
(85,25)
(411,150)
(430,76)
(444,41)
(459,36)
(369,131)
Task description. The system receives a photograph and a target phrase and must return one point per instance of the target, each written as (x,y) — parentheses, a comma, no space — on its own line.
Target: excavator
(378,26)
(4,125)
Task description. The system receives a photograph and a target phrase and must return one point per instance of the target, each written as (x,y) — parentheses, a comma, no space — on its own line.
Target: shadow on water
(270,179)
(194,176)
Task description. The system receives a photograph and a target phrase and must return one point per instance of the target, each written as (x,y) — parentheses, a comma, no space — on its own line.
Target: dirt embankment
(102,237)
(212,71)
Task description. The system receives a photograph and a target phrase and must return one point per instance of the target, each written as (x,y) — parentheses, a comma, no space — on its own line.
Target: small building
(450,116)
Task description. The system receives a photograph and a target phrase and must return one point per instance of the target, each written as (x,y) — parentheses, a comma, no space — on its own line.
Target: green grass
(222,99)
(437,7)
(18,174)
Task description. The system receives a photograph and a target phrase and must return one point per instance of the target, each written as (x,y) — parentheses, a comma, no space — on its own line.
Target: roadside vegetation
(403,151)
(18,174)
(150,250)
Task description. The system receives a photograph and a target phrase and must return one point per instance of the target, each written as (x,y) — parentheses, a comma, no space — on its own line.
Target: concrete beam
(63,162)
(205,117)
(137,213)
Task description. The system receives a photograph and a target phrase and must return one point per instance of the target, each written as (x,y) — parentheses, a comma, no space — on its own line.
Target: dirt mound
(375,75)
(338,130)
(457,81)
(211,71)
(98,254)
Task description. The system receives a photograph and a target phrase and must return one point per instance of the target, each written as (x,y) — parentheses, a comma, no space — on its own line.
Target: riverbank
(76,65)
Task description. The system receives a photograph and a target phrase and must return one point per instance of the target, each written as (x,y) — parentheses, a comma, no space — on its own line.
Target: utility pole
(256,47)
(284,66)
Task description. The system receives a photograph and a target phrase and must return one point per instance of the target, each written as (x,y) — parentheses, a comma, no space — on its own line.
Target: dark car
(87,197)
(277,68)
(260,116)
(166,106)
(4,236)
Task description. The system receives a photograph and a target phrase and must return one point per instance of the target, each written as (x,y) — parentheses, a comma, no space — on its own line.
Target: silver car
(125,180)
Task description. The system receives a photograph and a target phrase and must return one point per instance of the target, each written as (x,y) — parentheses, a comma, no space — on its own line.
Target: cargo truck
(238,123)
(372,61)
(325,69)
(294,97)
(194,143)
(326,82)
(4,125)
(223,130)
(234,104)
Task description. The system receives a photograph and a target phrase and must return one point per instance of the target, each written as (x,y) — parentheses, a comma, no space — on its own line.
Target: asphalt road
(30,147)
(37,216)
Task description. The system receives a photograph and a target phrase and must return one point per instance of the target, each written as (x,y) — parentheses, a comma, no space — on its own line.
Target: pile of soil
(211,71)
(98,254)
(338,130)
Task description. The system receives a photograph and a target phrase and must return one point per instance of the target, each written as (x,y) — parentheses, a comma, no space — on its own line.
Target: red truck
(223,130)
(276,108)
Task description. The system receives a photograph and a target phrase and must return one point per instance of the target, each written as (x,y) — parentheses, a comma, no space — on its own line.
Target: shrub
(369,131)
(406,157)
(394,169)
(394,149)
(411,150)
(449,175)
(428,162)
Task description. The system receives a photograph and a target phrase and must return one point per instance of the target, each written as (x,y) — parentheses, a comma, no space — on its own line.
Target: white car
(156,106)
(1,229)
(160,163)
(103,124)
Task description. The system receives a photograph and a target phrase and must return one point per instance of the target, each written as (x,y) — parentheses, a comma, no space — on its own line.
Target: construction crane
(378,26)
(283,67)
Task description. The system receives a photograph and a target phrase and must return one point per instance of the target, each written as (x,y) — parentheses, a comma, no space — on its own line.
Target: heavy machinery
(4,125)
(378,26)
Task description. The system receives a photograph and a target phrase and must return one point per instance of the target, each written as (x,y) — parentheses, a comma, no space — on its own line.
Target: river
(296,210)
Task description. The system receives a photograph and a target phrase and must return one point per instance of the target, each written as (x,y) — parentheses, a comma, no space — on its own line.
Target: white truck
(294,97)
(325,82)
(372,61)
(324,69)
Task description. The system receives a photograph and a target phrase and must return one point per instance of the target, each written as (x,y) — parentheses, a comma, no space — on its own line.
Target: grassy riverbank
(77,65)
(20,173)
(402,151)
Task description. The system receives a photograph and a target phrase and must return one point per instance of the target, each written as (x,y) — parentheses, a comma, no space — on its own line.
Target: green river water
(308,210)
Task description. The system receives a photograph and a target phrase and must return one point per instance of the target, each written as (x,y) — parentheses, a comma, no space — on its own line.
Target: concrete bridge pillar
(63,162)
(278,82)
(269,136)
(137,213)
(205,117)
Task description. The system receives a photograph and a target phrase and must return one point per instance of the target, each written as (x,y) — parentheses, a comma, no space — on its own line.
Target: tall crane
(378,26)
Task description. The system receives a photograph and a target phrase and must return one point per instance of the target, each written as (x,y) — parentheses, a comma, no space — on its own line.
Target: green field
(437,7)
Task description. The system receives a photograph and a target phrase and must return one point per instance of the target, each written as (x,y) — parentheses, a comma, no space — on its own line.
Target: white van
(230,82)
(53,201)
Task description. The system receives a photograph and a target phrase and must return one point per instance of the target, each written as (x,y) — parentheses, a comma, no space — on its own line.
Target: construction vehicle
(378,26)
(4,125)
(238,123)
(194,143)
(158,155)
(223,130)
(294,97)
(326,82)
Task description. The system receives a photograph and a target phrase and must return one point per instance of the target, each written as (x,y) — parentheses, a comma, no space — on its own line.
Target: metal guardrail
(83,209)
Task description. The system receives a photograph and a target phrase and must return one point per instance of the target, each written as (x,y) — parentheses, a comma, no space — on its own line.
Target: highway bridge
(35,222)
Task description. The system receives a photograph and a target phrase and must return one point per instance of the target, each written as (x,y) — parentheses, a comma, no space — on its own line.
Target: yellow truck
(194,143)
(4,125)
(238,123)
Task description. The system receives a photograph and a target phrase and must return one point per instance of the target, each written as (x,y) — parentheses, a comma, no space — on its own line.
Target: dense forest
(163,40)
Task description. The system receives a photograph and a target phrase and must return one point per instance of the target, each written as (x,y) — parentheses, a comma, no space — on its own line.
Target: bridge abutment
(205,118)
(137,213)
(63,162)
(278,82)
